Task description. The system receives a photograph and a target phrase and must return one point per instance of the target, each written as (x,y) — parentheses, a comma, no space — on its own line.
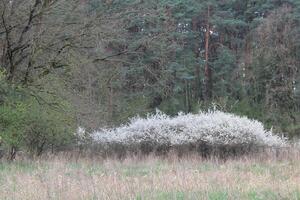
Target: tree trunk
(110,101)
(188,106)
(208,84)
(12,153)
(40,148)
(197,67)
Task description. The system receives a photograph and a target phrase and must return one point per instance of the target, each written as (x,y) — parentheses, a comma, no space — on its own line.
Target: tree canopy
(104,61)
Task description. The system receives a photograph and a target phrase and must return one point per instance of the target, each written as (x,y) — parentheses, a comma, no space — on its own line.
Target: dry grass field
(62,178)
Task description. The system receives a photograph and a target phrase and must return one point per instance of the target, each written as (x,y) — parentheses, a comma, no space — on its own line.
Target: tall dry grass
(271,175)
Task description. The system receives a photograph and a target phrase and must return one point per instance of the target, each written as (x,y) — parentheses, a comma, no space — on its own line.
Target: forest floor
(264,177)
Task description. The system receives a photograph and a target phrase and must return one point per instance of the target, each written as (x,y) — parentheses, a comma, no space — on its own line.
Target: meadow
(270,175)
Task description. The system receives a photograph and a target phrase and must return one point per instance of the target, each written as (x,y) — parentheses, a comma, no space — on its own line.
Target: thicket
(29,124)
(212,132)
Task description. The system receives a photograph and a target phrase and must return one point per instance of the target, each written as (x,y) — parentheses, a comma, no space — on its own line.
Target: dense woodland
(96,63)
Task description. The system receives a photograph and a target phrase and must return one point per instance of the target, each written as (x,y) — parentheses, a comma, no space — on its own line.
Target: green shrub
(28,125)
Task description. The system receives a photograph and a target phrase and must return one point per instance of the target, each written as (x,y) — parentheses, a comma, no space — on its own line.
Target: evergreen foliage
(98,63)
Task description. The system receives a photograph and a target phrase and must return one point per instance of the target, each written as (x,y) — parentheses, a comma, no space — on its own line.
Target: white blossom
(214,127)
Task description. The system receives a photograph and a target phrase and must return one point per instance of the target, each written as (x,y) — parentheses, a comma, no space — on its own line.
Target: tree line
(96,63)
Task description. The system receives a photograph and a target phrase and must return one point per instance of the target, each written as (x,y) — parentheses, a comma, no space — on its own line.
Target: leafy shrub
(34,128)
(46,129)
(209,129)
(29,125)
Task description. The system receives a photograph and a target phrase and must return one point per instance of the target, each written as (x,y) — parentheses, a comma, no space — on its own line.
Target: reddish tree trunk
(208,84)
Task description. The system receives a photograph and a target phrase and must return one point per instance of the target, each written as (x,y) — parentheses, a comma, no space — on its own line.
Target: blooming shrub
(213,128)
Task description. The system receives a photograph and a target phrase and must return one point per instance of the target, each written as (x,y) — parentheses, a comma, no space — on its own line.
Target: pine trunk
(208,84)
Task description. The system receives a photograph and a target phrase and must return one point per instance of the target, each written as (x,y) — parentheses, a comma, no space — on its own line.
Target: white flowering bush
(213,128)
(81,135)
